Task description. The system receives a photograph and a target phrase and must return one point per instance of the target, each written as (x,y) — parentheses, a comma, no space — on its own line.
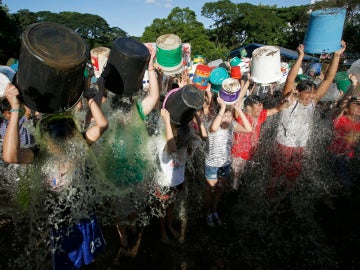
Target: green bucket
(342,81)
(169,52)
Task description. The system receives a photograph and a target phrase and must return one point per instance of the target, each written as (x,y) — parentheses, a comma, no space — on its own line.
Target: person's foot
(210,220)
(217,219)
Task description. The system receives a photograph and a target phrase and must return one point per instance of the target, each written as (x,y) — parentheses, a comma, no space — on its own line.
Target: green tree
(9,42)
(93,28)
(182,22)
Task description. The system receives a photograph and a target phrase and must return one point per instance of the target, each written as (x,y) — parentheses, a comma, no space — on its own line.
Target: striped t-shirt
(218,148)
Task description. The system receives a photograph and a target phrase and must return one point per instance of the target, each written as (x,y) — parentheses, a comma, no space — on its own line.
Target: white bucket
(265,64)
(99,58)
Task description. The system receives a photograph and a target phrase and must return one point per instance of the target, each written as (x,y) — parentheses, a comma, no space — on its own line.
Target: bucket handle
(168,94)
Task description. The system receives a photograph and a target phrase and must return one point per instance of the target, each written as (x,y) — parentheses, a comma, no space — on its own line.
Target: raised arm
(150,101)
(218,118)
(202,130)
(246,126)
(94,132)
(290,79)
(12,153)
(243,90)
(330,73)
(170,140)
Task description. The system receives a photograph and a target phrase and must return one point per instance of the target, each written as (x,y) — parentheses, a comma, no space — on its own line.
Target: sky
(132,16)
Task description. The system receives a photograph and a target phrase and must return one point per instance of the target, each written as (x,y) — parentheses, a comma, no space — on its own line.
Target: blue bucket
(324,32)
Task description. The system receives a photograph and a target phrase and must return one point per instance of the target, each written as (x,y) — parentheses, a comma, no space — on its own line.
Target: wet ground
(330,239)
(283,232)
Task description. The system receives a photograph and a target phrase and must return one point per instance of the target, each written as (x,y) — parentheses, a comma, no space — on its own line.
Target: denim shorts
(213,173)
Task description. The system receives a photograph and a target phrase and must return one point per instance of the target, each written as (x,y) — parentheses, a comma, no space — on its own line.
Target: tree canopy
(234,25)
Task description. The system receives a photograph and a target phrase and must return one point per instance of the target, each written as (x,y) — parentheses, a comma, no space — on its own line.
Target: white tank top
(295,125)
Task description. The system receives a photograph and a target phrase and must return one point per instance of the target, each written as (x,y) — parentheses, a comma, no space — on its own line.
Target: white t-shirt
(295,125)
(172,167)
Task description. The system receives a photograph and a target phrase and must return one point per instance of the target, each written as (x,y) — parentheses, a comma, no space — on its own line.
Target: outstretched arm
(290,79)
(330,73)
(12,153)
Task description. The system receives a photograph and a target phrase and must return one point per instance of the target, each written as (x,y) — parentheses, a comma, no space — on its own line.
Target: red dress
(245,143)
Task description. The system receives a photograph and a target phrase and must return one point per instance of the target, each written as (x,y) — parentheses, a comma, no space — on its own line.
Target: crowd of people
(140,167)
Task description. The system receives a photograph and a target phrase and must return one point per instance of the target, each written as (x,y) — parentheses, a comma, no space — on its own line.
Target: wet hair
(122,103)
(354,99)
(182,137)
(59,129)
(251,100)
(306,85)
(4,105)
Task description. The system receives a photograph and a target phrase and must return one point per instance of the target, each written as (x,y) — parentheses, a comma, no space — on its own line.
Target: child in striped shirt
(218,155)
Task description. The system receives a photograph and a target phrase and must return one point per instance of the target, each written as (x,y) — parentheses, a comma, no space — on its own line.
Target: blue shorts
(213,173)
(77,245)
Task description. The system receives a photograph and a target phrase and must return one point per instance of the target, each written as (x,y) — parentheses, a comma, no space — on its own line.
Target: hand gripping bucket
(182,103)
(99,58)
(124,71)
(169,54)
(265,64)
(201,76)
(216,78)
(230,91)
(51,67)
(324,32)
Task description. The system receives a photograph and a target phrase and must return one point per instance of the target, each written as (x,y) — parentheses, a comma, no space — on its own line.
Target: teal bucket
(342,81)
(217,76)
(324,32)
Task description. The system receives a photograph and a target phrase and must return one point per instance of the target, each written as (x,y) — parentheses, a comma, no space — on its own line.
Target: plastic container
(235,61)
(126,66)
(217,76)
(324,31)
(198,58)
(51,67)
(201,76)
(342,81)
(230,91)
(169,54)
(182,103)
(99,58)
(265,64)
(235,72)
(215,63)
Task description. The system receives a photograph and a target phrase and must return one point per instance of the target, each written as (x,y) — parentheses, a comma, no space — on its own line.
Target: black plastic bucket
(52,60)
(126,66)
(182,103)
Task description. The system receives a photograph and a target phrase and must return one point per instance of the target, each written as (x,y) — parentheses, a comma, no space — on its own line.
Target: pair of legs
(167,205)
(215,178)
(123,229)
(238,167)
(287,161)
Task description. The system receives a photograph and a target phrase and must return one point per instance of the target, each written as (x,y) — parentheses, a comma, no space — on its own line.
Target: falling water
(295,230)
